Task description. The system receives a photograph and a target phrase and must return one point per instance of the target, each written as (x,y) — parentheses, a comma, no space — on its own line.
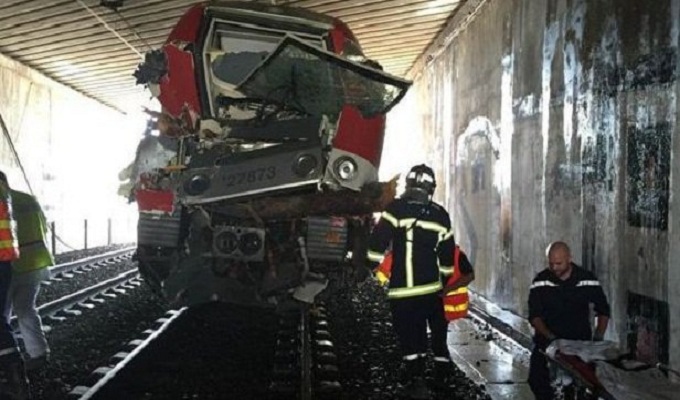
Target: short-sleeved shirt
(564,306)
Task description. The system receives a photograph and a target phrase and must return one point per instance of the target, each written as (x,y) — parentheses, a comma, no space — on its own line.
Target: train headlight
(305,165)
(346,168)
(197,184)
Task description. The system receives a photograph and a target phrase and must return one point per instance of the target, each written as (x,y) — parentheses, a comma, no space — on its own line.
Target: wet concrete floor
(499,364)
(489,358)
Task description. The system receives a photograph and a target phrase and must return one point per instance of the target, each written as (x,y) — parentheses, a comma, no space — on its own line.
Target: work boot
(443,375)
(417,389)
(14,386)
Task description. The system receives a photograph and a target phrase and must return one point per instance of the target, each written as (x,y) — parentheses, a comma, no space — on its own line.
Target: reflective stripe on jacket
(31,234)
(456,303)
(422,247)
(9,245)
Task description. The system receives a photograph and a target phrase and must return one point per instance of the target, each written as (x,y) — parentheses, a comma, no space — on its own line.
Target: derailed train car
(264,173)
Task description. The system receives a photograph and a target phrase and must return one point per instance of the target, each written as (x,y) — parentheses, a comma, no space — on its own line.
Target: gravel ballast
(224,351)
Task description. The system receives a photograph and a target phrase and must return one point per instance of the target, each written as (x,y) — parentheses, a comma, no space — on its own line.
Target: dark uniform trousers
(410,317)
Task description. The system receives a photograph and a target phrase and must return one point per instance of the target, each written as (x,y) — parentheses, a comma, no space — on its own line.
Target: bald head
(559,259)
(558,246)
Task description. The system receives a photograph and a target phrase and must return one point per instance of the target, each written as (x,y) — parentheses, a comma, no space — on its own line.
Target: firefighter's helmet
(421,178)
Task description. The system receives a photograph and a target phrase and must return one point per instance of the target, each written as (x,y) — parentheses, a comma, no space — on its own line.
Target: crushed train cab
(265,165)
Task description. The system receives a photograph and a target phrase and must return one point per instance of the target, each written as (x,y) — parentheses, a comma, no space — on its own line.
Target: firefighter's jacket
(422,247)
(9,246)
(456,303)
(31,231)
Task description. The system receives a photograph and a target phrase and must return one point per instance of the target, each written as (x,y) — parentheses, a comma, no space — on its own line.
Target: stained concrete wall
(557,119)
(71,149)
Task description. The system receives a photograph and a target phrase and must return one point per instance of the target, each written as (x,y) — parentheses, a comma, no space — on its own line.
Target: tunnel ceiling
(82,44)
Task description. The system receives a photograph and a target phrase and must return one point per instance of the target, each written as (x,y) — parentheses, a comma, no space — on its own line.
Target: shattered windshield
(317,82)
(239,53)
(236,51)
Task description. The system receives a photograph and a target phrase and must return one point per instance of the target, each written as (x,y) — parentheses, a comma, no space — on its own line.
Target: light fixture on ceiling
(112,4)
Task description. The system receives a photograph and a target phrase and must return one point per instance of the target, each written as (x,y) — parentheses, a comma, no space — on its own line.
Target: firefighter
(29,271)
(13,383)
(456,301)
(560,301)
(422,243)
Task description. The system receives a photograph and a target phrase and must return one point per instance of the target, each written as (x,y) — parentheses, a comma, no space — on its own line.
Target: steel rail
(86,393)
(65,268)
(306,354)
(87,293)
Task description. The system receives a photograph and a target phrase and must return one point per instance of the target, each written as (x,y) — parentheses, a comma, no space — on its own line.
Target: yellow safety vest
(9,246)
(31,234)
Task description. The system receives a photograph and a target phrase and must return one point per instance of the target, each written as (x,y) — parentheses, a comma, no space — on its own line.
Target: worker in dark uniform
(13,382)
(559,308)
(422,245)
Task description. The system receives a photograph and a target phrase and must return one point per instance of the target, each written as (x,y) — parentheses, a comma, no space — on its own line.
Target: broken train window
(233,51)
(318,82)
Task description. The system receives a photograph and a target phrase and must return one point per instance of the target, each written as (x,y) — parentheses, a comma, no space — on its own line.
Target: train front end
(263,170)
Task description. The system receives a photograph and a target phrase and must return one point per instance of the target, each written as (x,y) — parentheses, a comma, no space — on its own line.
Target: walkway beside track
(502,364)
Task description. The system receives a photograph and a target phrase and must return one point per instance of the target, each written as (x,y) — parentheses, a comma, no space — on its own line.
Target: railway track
(90,295)
(305,363)
(69,269)
(299,361)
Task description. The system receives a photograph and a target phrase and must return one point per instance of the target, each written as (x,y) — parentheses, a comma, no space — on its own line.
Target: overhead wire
(134,32)
(112,30)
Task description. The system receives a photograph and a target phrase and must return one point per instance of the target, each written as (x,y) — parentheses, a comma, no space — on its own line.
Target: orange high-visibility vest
(456,303)
(9,245)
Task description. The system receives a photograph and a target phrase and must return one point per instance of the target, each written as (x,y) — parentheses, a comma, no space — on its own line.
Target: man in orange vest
(14,385)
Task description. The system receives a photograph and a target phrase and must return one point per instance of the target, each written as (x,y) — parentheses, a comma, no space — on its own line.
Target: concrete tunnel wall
(557,119)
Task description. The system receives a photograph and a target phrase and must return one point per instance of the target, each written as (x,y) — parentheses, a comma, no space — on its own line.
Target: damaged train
(260,173)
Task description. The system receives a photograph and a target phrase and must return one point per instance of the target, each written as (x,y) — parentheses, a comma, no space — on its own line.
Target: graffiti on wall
(648,173)
(658,68)
(647,328)
(598,164)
